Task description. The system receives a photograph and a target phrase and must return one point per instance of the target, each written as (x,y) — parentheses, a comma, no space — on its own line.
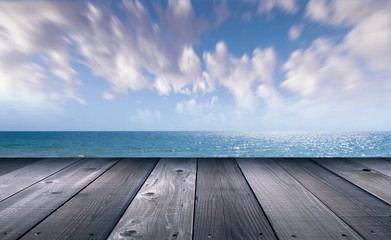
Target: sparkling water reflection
(196,144)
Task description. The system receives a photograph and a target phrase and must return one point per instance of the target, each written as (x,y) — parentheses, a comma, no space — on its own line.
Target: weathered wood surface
(24,210)
(293,211)
(225,205)
(370,180)
(379,164)
(163,208)
(366,214)
(302,198)
(8,165)
(93,213)
(20,179)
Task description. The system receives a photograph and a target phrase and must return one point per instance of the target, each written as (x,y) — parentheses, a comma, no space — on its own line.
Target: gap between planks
(163,208)
(206,191)
(225,205)
(370,180)
(30,206)
(94,211)
(294,212)
(365,213)
(24,177)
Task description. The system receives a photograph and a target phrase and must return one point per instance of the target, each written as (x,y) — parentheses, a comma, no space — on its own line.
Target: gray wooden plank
(18,180)
(379,164)
(366,214)
(225,206)
(163,208)
(292,210)
(94,212)
(371,181)
(8,165)
(24,210)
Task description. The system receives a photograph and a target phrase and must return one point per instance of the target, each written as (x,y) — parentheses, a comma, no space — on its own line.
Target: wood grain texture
(24,210)
(379,164)
(163,208)
(94,212)
(366,214)
(293,211)
(8,165)
(225,205)
(85,200)
(20,179)
(370,180)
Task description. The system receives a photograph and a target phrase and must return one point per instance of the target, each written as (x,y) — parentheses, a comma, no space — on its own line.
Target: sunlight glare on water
(195,144)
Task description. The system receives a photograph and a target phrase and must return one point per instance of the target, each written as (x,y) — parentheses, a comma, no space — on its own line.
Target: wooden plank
(8,165)
(366,214)
(292,210)
(225,206)
(94,212)
(22,178)
(163,208)
(379,164)
(24,210)
(370,180)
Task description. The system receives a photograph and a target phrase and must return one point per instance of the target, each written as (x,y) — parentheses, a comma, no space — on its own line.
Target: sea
(195,144)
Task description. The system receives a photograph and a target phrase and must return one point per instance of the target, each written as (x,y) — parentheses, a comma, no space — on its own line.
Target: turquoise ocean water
(195,144)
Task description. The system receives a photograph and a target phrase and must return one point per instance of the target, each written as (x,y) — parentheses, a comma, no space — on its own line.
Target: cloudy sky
(202,65)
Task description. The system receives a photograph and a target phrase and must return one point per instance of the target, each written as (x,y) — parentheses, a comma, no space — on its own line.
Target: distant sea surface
(195,144)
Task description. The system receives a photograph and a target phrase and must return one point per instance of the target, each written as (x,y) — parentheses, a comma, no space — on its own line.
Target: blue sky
(195,65)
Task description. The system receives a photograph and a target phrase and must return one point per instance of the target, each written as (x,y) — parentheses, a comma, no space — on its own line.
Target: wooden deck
(195,198)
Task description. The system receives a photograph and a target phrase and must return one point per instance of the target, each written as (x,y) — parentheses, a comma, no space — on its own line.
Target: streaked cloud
(120,51)
(370,40)
(239,74)
(192,107)
(335,57)
(370,36)
(222,12)
(295,32)
(266,6)
(24,35)
(343,12)
(321,71)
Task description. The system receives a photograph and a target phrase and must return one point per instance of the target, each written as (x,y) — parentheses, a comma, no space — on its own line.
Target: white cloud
(193,108)
(264,62)
(345,12)
(337,85)
(266,6)
(270,95)
(370,39)
(205,84)
(131,53)
(163,86)
(189,63)
(239,74)
(24,87)
(329,89)
(28,37)
(317,10)
(156,51)
(370,36)
(138,45)
(322,70)
(295,32)
(209,114)
(222,12)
